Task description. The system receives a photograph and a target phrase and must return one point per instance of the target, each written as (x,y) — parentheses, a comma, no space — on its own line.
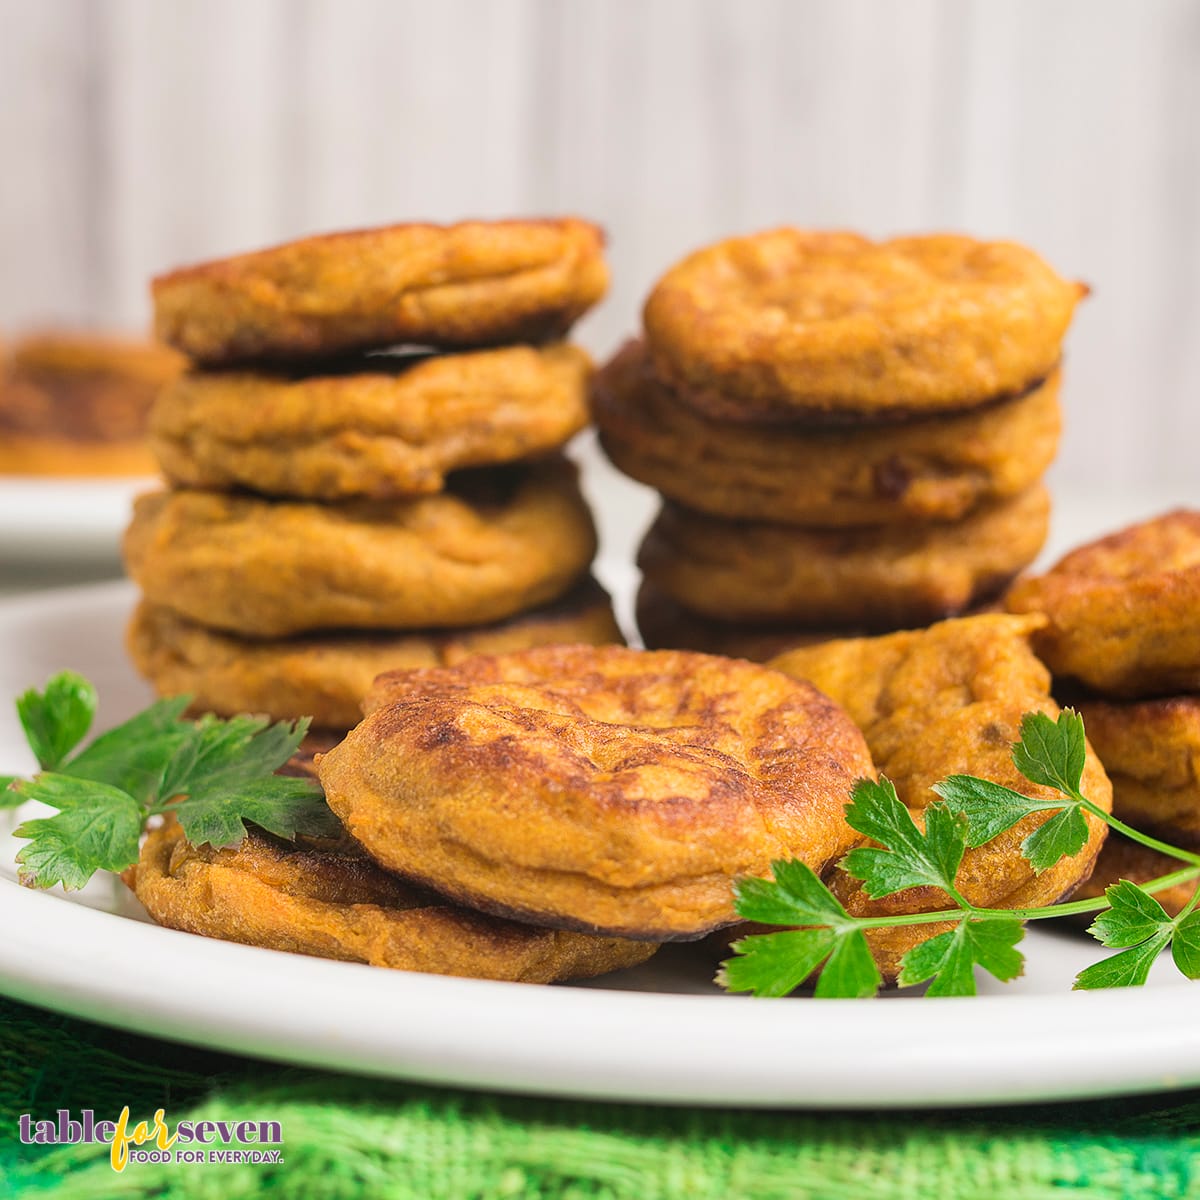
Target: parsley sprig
(214,774)
(825,938)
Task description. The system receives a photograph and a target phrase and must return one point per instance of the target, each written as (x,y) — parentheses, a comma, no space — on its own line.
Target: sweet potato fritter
(872,577)
(1151,750)
(478,283)
(596,788)
(499,543)
(334,902)
(1124,611)
(937,469)
(384,426)
(791,322)
(325,676)
(79,404)
(943,701)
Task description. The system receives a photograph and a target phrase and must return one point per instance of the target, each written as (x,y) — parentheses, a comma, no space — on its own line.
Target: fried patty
(384,426)
(1124,611)
(943,701)
(1151,750)
(1120,858)
(326,676)
(875,577)
(792,322)
(78,404)
(500,543)
(939,468)
(334,902)
(603,789)
(477,283)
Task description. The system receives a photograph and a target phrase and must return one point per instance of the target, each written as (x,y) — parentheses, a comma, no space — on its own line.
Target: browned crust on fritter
(374,431)
(1121,858)
(937,469)
(666,625)
(506,541)
(872,577)
(1124,611)
(793,322)
(76,354)
(1151,750)
(596,788)
(943,701)
(477,283)
(336,903)
(326,676)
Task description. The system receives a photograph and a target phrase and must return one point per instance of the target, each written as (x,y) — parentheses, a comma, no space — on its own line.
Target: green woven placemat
(345,1136)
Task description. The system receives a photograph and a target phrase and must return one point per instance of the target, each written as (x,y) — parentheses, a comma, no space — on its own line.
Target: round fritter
(1124,611)
(385,426)
(477,283)
(1120,858)
(500,543)
(334,902)
(596,788)
(667,625)
(935,469)
(78,404)
(326,676)
(944,701)
(792,322)
(1151,750)
(874,577)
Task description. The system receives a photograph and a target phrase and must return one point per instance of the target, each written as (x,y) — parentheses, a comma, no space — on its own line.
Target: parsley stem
(1071,908)
(1136,835)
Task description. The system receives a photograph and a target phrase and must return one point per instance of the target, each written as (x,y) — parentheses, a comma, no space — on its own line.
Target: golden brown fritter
(325,676)
(334,902)
(78,404)
(937,469)
(1120,858)
(1124,611)
(872,577)
(477,283)
(596,788)
(500,543)
(943,701)
(667,625)
(792,322)
(1151,750)
(385,426)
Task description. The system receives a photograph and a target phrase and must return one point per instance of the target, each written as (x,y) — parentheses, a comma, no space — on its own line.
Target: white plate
(59,519)
(661,1032)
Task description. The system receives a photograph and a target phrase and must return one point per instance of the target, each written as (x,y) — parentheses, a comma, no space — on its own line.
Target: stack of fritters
(364,464)
(79,404)
(1123,641)
(551,812)
(848,435)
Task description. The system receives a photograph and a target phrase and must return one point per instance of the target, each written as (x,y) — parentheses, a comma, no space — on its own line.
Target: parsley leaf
(8,797)
(990,808)
(1185,948)
(774,964)
(1063,836)
(97,829)
(949,958)
(56,720)
(1052,752)
(217,774)
(1134,919)
(909,857)
(279,804)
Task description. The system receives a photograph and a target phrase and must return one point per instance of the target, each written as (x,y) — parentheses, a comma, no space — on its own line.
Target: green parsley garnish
(214,775)
(971,812)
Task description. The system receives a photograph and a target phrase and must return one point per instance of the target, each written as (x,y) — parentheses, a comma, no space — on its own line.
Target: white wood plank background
(138,134)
